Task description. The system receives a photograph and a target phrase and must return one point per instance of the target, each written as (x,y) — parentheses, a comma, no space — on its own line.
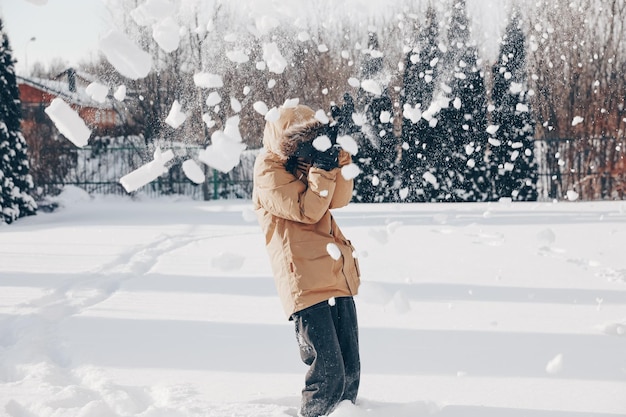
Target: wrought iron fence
(594,168)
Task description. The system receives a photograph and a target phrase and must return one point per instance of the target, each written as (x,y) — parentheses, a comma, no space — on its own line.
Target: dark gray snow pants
(329,344)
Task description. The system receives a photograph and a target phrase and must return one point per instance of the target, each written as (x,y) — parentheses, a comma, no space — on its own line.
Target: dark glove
(327,160)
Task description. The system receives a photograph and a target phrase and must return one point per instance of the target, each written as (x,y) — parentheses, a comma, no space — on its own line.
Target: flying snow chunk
(291,103)
(413,113)
(120,93)
(572,195)
(213,99)
(237,56)
(555,365)
(577,120)
(193,171)
(404,193)
(320,116)
(206,118)
(97,92)
(260,107)
(176,117)
(522,108)
(303,36)
(322,143)
(354,82)
(127,58)
(272,115)
(430,178)
(457,103)
(226,147)
(494,142)
(207,80)
(272,57)
(348,144)
(166,33)
(333,251)
(223,154)
(385,116)
(372,87)
(350,171)
(151,11)
(516,88)
(492,129)
(68,122)
(265,24)
(147,172)
(322,48)
(235,105)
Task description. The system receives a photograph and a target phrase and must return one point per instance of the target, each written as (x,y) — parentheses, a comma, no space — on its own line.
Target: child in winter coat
(315,272)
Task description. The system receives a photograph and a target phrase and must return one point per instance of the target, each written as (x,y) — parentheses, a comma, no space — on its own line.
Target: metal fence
(99,171)
(594,168)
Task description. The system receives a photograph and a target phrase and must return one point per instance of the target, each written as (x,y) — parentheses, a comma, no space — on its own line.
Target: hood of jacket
(293,126)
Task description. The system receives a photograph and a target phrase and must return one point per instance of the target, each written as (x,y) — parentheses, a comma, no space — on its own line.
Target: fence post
(215,184)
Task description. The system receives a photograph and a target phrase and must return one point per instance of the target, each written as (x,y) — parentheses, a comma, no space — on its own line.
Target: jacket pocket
(312,267)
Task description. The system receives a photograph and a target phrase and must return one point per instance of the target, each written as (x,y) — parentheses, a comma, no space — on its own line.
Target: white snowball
(97,91)
(237,56)
(322,143)
(176,117)
(272,115)
(260,107)
(492,129)
(68,122)
(166,33)
(208,80)
(350,171)
(348,144)
(120,93)
(213,99)
(429,177)
(372,87)
(321,116)
(193,171)
(273,58)
(127,58)
(555,365)
(333,251)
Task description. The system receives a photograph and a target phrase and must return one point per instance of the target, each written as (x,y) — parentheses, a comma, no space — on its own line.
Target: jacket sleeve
(285,196)
(343,187)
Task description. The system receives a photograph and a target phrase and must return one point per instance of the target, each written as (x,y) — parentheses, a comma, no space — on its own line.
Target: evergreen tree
(460,166)
(15,181)
(420,73)
(378,147)
(513,168)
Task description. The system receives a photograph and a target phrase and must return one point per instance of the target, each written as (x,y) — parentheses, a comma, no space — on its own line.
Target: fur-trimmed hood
(293,126)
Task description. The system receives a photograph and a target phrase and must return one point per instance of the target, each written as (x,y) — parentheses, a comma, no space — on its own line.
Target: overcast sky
(70,29)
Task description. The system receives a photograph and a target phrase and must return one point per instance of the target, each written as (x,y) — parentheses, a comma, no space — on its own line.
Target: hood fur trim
(295,125)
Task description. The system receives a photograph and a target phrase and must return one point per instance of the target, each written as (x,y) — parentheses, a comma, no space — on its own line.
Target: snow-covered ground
(111,307)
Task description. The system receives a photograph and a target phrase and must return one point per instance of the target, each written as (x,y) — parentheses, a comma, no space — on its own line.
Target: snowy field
(111,307)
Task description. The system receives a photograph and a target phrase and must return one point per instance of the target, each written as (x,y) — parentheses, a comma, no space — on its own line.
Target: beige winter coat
(293,211)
